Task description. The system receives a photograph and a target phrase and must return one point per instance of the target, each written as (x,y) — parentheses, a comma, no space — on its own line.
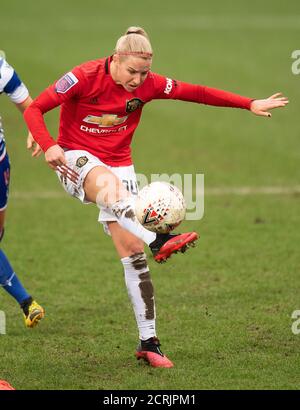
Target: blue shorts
(4,178)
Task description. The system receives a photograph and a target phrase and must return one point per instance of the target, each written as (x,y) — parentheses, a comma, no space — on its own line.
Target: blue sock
(10,281)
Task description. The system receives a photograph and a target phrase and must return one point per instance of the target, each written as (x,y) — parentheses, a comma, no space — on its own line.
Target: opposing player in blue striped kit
(12,86)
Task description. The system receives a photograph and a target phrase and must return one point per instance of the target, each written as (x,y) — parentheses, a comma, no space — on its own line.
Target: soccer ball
(160,207)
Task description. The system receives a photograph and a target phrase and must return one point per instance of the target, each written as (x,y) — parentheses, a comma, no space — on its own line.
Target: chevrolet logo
(106,120)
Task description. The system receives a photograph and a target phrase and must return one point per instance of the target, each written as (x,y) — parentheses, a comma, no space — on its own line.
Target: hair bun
(134,45)
(136,30)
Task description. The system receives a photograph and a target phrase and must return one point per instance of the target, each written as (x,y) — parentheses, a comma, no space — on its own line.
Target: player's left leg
(32,311)
(140,290)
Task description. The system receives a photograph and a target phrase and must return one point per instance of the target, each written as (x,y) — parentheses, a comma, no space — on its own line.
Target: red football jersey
(100,116)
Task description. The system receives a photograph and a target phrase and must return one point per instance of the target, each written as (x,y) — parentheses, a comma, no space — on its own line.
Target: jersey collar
(107,64)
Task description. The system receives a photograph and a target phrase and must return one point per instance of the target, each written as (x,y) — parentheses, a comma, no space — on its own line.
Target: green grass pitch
(223,309)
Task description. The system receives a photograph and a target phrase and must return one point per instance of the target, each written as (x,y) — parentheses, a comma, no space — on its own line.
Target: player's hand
(262,107)
(33,146)
(55,156)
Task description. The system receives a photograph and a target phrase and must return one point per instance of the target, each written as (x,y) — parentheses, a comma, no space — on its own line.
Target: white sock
(140,291)
(124,211)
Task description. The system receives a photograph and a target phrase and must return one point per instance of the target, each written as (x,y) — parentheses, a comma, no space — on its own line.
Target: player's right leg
(141,293)
(102,187)
(9,281)
(95,182)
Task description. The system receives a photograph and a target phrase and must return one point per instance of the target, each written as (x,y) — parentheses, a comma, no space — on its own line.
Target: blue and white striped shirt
(11,85)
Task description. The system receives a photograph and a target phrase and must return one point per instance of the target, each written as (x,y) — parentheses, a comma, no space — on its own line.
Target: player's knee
(123,207)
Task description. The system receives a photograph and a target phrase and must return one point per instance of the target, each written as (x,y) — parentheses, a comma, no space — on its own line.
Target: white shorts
(82,162)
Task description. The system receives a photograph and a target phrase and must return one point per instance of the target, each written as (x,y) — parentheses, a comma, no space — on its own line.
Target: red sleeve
(67,87)
(177,90)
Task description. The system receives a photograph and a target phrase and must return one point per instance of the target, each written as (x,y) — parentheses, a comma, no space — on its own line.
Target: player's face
(132,72)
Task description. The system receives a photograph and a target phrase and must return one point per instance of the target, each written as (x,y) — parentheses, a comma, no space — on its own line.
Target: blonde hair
(134,42)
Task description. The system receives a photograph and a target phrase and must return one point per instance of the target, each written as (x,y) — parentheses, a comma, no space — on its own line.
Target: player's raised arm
(166,88)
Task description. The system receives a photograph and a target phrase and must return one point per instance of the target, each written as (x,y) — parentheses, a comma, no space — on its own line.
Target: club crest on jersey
(81,161)
(65,83)
(106,120)
(134,104)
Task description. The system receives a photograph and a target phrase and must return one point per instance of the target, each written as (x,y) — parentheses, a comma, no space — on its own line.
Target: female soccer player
(11,85)
(101,105)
